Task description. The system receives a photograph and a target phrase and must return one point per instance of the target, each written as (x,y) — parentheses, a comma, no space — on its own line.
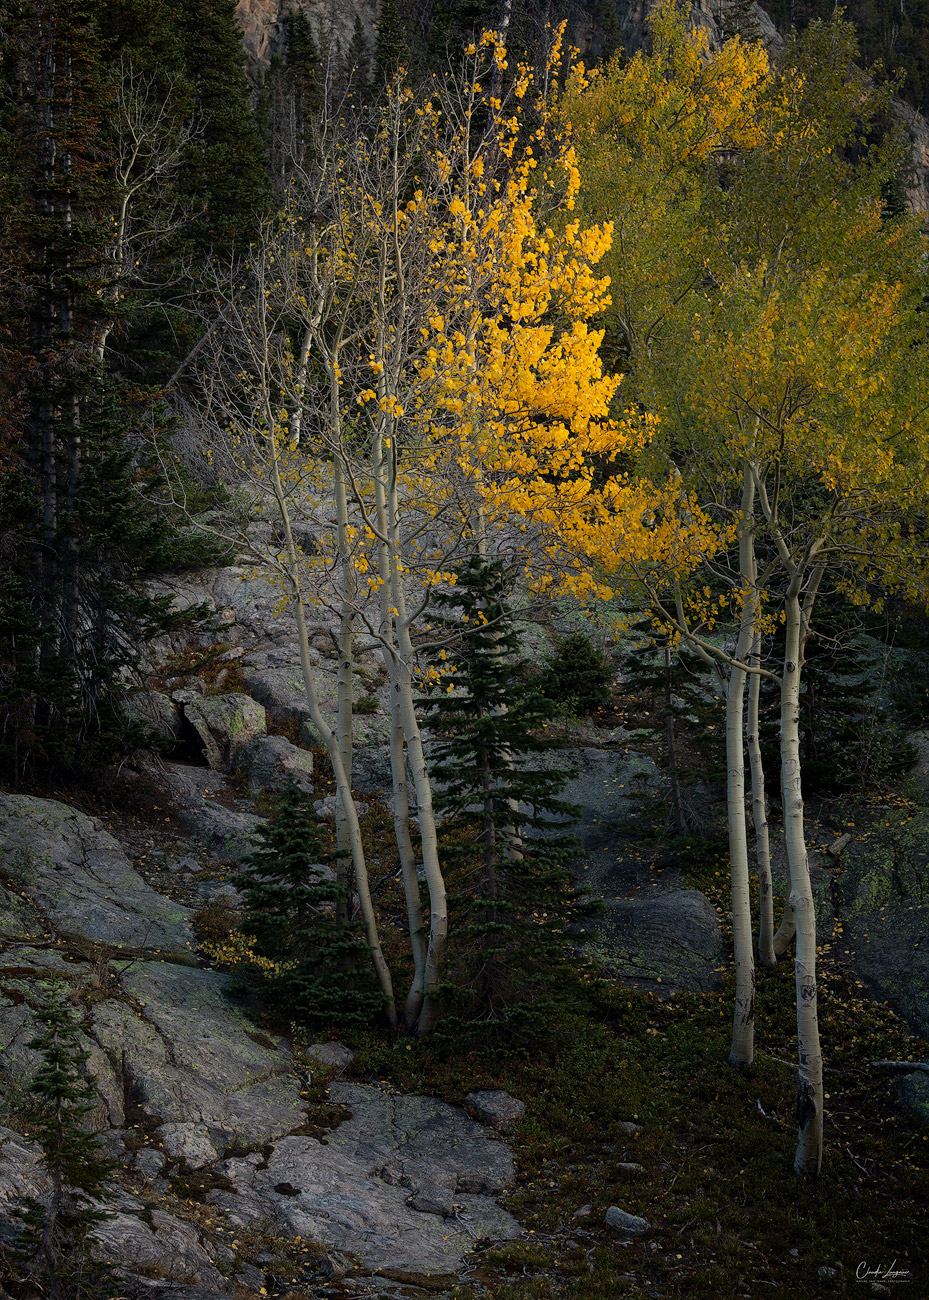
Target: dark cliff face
(262,23)
(333,23)
(705,14)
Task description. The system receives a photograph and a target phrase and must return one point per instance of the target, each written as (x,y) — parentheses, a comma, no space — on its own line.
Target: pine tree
(577,674)
(56,1232)
(504,837)
(390,48)
(80,532)
(306,962)
(848,740)
(666,692)
(357,64)
(227,176)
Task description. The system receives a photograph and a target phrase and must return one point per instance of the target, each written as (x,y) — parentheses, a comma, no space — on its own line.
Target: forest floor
(710,1166)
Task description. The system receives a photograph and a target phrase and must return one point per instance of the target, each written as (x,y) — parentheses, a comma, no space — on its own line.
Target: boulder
(629,1225)
(334,1056)
(158,715)
(272,761)
(673,940)
(229,834)
(913,1090)
(225,725)
(75,871)
(432,1198)
(496,1107)
(150,1163)
(335,1193)
(885,910)
(196,793)
(191,1057)
(283,694)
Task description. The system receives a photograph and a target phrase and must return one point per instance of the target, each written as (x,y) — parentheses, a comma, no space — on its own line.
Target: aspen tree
(801,366)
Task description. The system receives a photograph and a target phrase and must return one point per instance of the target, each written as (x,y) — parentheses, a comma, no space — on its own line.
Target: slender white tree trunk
(345,673)
(331,741)
(414,910)
(760,816)
(808,1156)
(743,1020)
(435,882)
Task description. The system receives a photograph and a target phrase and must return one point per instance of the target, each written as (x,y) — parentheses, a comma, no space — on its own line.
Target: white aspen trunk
(296,423)
(331,741)
(766,953)
(785,931)
(345,673)
(670,731)
(414,910)
(743,1019)
(808,1156)
(403,689)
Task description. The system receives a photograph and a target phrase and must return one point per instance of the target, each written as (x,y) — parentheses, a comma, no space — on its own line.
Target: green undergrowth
(728,1215)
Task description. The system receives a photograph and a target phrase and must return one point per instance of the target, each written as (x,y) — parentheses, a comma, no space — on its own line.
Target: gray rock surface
(21,1174)
(189,1143)
(496,1107)
(673,939)
(652,932)
(628,1224)
(195,793)
(19,920)
(191,1057)
(357,1191)
(166,1246)
(79,876)
(225,725)
(333,1055)
(914,1092)
(272,761)
(157,714)
(281,691)
(884,906)
(150,1162)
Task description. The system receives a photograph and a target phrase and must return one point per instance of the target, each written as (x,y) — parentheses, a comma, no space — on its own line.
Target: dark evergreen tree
(848,738)
(356,74)
(504,835)
(227,177)
(290,97)
(669,691)
(577,674)
(312,966)
(78,532)
(55,1246)
(390,49)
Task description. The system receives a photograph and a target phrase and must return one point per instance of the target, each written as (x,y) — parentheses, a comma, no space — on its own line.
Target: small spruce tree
(577,674)
(56,1240)
(306,962)
(504,835)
